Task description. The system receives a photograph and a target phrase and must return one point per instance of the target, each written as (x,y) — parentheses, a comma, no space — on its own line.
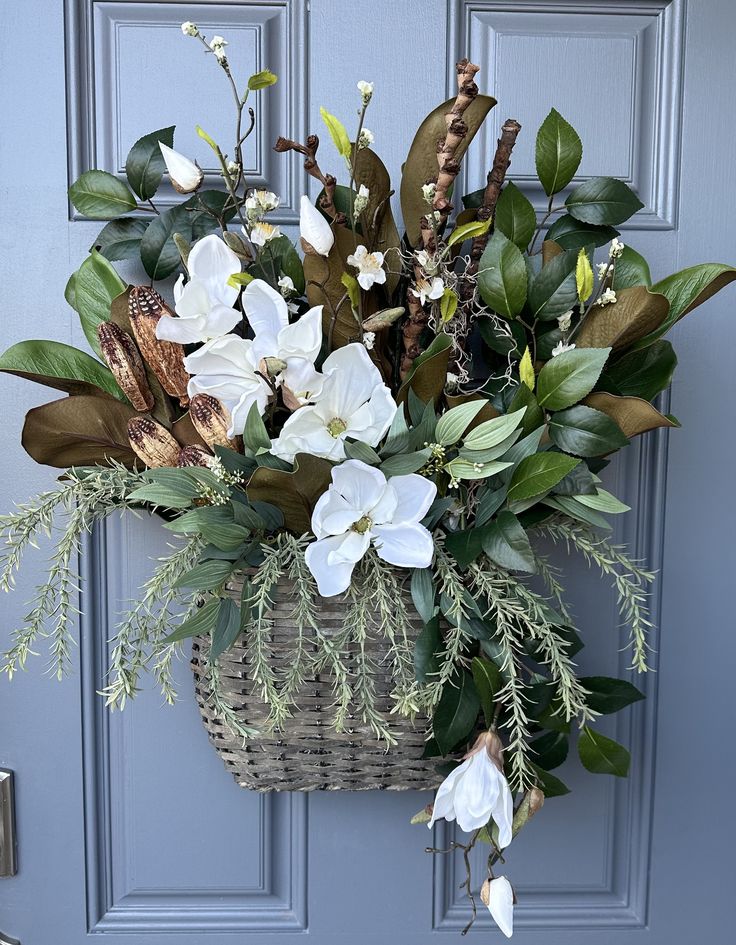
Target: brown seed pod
(152,443)
(211,419)
(193,456)
(122,357)
(166,358)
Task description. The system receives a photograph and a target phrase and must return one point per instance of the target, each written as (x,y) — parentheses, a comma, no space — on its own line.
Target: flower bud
(152,443)
(185,175)
(211,419)
(382,319)
(166,358)
(122,357)
(317,237)
(272,366)
(193,456)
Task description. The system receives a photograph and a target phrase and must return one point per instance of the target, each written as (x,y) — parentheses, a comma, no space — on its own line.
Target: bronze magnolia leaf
(185,432)
(79,431)
(429,376)
(295,493)
(632,414)
(421,163)
(637,312)
(382,232)
(550,249)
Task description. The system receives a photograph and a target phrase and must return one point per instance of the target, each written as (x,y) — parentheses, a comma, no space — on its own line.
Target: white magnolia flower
(360,508)
(616,248)
(607,298)
(429,191)
(477,791)
(353,402)
(369,266)
(366,138)
(261,233)
(428,289)
(561,348)
(498,895)
(366,90)
(314,229)
(204,305)
(369,339)
(185,175)
(217,45)
(564,321)
(189,28)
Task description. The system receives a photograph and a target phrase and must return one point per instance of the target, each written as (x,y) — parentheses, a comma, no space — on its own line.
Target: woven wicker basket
(308,754)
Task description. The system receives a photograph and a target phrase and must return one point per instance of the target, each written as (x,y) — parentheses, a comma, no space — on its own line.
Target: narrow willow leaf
(227,628)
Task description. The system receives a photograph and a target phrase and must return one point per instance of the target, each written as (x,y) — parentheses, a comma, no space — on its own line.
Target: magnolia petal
(228,355)
(415,495)
(333,515)
(501,904)
(305,432)
(406,546)
(332,579)
(314,229)
(361,485)
(503,813)
(302,379)
(352,378)
(351,548)
(239,412)
(220,321)
(383,512)
(477,792)
(444,801)
(185,331)
(185,175)
(192,299)
(304,337)
(265,308)
(382,408)
(212,261)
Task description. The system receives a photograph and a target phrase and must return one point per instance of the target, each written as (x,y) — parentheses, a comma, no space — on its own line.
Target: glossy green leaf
(558,153)
(426,648)
(553,291)
(602,755)
(643,373)
(145,165)
(201,621)
(507,544)
(121,239)
(603,201)
(465,545)
(227,628)
(550,750)
(59,366)
(159,253)
(96,284)
(515,216)
(550,785)
(687,289)
(608,695)
(584,431)
(631,269)
(488,681)
(101,196)
(572,234)
(456,713)
(569,377)
(537,474)
(423,593)
(502,279)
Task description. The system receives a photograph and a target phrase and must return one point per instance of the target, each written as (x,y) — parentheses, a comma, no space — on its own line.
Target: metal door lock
(8,862)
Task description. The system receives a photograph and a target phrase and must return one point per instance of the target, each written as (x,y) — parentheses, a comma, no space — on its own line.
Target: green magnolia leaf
(145,165)
(227,628)
(59,366)
(584,431)
(607,695)
(206,576)
(96,285)
(507,544)
(262,80)
(553,290)
(550,749)
(502,279)
(101,196)
(421,162)
(465,545)
(537,474)
(550,785)
(558,153)
(337,132)
(488,681)
(453,423)
(569,376)
(603,201)
(202,621)
(630,269)
(159,253)
(687,289)
(602,755)
(515,216)
(426,648)
(121,239)
(643,373)
(456,713)
(79,431)
(423,593)
(492,432)
(572,234)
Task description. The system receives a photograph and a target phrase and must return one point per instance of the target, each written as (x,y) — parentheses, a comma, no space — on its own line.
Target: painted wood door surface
(129,830)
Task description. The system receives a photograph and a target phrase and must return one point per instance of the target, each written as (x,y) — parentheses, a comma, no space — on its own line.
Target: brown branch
(309,150)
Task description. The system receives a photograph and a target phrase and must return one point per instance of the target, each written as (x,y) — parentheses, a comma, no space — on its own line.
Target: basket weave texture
(307,754)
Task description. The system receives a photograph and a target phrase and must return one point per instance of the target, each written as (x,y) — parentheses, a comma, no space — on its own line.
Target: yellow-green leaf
(238,279)
(353,289)
(448,305)
(262,80)
(205,137)
(337,132)
(584,276)
(468,231)
(526,369)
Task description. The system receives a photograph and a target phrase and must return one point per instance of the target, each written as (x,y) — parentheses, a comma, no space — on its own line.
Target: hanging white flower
(498,895)
(204,305)
(360,508)
(369,340)
(353,402)
(369,266)
(315,231)
(428,289)
(561,348)
(428,192)
(477,791)
(286,284)
(185,175)
(262,233)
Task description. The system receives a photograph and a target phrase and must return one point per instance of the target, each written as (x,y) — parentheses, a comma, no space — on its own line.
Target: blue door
(128,827)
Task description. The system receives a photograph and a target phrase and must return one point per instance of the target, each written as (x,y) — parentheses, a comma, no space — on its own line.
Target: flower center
(336,426)
(362,525)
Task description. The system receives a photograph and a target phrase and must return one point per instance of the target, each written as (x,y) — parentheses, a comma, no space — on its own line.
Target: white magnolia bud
(315,231)
(185,175)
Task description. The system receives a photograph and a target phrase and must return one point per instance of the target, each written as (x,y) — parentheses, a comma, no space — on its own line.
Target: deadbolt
(8,863)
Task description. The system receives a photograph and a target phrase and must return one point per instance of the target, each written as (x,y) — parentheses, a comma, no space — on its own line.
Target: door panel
(128,825)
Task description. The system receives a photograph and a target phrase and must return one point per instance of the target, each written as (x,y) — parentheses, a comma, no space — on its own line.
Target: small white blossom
(561,348)
(602,268)
(564,321)
(233,168)
(428,262)
(264,200)
(452,381)
(366,90)
(434,218)
(366,138)
(607,298)
(369,266)
(262,233)
(189,28)
(428,289)
(616,248)
(361,201)
(286,285)
(429,191)
(369,339)
(217,45)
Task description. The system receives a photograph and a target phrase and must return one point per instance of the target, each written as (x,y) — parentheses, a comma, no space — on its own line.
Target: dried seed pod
(193,456)
(166,358)
(211,419)
(152,442)
(122,357)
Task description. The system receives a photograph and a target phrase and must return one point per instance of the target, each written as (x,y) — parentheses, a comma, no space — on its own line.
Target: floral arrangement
(391,420)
